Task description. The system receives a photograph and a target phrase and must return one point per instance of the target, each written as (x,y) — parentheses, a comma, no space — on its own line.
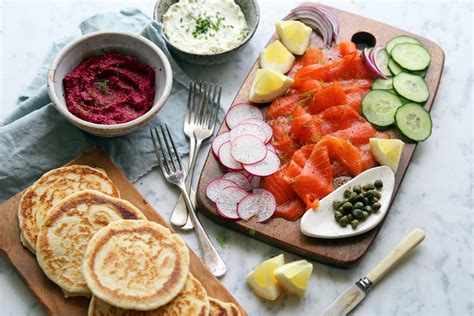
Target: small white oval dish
(321,223)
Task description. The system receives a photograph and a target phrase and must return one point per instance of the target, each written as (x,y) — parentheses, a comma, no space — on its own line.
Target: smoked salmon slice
(327,97)
(283,106)
(357,134)
(291,210)
(305,127)
(279,187)
(338,118)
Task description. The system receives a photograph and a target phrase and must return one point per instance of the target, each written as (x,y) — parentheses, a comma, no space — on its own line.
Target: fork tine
(168,148)
(215,106)
(203,104)
(209,106)
(178,158)
(159,152)
(188,108)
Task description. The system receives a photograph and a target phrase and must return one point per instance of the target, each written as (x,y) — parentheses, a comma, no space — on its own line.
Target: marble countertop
(436,195)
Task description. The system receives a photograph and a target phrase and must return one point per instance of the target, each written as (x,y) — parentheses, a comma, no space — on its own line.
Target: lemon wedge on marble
(294,276)
(295,35)
(387,151)
(277,57)
(263,282)
(268,85)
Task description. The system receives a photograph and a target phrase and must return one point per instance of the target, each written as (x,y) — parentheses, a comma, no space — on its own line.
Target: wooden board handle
(401,250)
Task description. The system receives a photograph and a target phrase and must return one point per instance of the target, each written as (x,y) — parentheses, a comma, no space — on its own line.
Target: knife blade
(356,293)
(349,299)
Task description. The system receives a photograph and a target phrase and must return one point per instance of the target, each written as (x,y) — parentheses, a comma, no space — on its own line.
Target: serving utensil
(199,122)
(356,293)
(320,223)
(174,171)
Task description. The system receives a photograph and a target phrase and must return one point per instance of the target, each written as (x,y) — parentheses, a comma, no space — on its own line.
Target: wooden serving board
(286,234)
(48,293)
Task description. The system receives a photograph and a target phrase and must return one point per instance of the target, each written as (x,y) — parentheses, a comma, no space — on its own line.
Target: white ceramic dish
(97,43)
(321,223)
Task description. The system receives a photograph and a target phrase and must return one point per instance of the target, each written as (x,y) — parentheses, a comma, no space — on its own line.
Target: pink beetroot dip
(110,89)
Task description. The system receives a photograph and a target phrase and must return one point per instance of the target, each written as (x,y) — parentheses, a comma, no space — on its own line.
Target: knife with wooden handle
(356,293)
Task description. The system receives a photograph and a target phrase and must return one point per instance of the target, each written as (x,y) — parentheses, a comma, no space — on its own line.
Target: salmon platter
(332,98)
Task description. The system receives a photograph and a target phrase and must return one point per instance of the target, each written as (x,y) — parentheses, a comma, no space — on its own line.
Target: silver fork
(199,123)
(174,171)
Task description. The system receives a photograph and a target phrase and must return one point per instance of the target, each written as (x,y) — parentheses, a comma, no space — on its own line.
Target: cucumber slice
(381,60)
(414,121)
(412,57)
(382,84)
(398,40)
(395,69)
(421,73)
(379,107)
(411,87)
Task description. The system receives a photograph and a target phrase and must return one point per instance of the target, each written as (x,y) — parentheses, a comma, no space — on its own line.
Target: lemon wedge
(294,276)
(294,35)
(268,85)
(277,57)
(387,151)
(263,282)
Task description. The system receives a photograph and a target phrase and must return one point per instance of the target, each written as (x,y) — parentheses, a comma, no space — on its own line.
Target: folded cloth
(36,138)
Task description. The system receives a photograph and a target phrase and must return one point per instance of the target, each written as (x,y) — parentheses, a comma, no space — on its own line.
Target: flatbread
(52,187)
(136,264)
(191,301)
(68,228)
(220,308)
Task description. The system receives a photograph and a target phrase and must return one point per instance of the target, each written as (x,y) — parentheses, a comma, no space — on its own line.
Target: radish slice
(241,112)
(248,149)
(239,179)
(266,167)
(263,125)
(235,104)
(255,182)
(248,129)
(228,201)
(218,141)
(265,212)
(225,157)
(262,204)
(214,188)
(271,148)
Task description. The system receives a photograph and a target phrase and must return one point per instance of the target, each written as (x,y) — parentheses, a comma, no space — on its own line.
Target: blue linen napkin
(36,138)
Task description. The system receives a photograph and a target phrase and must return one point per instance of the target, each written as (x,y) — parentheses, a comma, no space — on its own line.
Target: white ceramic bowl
(95,44)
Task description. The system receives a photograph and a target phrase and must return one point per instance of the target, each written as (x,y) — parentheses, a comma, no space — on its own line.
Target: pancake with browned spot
(137,265)
(68,228)
(191,301)
(220,308)
(52,187)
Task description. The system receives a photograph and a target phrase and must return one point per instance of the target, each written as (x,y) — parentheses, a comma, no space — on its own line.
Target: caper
(370,194)
(377,194)
(359,205)
(368,209)
(353,197)
(378,184)
(343,221)
(366,201)
(336,203)
(365,214)
(347,206)
(369,186)
(376,206)
(347,193)
(357,213)
(354,223)
(337,216)
(360,197)
(350,217)
(357,188)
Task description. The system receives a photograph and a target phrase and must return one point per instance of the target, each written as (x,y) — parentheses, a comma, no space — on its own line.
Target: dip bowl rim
(110,129)
(223,53)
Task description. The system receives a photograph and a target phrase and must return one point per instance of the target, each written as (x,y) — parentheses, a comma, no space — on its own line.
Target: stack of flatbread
(92,243)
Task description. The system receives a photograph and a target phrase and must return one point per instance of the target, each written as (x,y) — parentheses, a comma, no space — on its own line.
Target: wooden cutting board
(48,293)
(286,234)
